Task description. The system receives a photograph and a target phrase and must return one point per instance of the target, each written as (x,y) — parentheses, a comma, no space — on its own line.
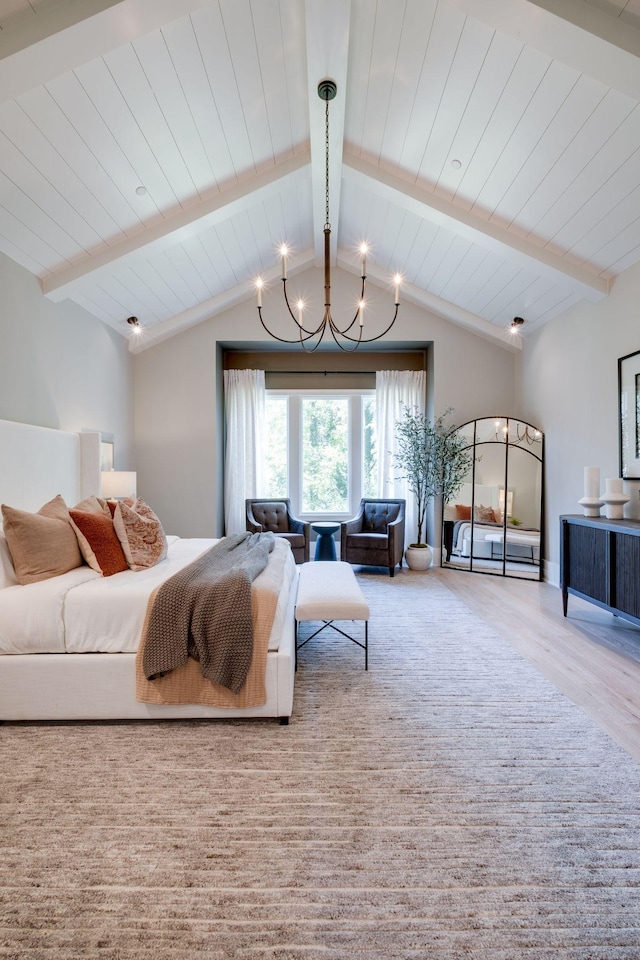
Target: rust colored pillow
(462,512)
(97,530)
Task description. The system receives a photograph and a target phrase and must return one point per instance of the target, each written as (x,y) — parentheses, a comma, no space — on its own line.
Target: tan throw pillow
(463,512)
(484,514)
(140,534)
(92,505)
(43,544)
(106,552)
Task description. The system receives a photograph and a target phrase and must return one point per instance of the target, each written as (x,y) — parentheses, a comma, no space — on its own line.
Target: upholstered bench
(328,591)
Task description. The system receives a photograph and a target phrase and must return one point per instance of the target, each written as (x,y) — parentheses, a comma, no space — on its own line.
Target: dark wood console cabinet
(600,562)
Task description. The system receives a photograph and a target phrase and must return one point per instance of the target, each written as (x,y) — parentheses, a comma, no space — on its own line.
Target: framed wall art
(629,413)
(106,455)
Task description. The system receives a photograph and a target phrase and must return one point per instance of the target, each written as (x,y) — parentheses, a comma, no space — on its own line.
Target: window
(321,450)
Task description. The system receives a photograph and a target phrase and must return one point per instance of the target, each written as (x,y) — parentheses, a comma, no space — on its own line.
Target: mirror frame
(506,444)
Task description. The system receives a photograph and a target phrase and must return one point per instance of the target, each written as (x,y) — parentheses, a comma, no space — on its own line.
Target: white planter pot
(418,558)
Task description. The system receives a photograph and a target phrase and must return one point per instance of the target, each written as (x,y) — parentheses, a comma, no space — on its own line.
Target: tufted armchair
(375,537)
(276,516)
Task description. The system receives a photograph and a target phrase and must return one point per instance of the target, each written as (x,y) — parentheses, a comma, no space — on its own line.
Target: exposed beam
(214,305)
(490,236)
(572,31)
(429,301)
(327,38)
(183,225)
(69,33)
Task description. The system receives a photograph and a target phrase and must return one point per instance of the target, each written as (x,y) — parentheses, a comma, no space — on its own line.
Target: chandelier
(524,433)
(350,337)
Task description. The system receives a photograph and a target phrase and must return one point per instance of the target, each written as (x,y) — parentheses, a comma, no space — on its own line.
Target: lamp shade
(118,484)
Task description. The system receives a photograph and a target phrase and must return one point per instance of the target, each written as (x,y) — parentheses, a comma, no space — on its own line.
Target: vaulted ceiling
(155,153)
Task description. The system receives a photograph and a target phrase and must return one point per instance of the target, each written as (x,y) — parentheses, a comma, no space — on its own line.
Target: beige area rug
(449,803)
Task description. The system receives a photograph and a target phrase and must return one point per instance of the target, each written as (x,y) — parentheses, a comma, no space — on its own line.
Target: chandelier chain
(326,165)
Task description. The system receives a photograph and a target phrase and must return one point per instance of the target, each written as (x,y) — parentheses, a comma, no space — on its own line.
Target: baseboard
(551,572)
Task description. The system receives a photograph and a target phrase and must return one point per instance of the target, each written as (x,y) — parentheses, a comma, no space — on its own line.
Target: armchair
(276,516)
(375,537)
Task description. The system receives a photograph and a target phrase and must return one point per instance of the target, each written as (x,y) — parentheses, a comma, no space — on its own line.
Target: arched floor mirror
(494,522)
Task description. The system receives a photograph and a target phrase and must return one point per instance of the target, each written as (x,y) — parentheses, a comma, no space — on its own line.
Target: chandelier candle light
(347,338)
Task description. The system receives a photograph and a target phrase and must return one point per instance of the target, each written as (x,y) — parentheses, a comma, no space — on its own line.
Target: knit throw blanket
(204,612)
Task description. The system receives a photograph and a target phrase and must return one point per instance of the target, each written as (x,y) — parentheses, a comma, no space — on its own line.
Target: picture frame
(629,415)
(106,455)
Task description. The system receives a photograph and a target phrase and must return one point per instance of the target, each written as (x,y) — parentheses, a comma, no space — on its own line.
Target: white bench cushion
(328,590)
(513,537)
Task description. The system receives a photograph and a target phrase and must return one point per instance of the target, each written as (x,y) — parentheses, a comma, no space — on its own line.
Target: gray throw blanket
(204,612)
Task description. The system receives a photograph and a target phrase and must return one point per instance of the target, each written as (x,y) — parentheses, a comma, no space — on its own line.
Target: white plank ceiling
(489,150)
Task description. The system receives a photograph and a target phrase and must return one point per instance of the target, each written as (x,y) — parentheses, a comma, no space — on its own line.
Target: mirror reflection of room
(493,523)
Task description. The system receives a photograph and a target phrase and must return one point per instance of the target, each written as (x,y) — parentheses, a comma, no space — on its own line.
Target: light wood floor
(591,656)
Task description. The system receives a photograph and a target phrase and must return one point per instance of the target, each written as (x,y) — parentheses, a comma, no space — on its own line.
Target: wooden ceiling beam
(434,304)
(409,196)
(228,203)
(215,305)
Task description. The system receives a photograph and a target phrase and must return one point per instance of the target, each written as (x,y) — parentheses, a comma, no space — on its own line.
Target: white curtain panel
(244,402)
(395,390)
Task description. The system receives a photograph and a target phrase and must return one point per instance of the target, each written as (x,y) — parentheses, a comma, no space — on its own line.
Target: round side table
(325,544)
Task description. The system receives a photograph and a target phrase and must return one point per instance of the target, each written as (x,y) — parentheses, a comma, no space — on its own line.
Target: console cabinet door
(625,586)
(586,567)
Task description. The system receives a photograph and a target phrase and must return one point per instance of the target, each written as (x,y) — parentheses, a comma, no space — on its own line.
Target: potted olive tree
(434,461)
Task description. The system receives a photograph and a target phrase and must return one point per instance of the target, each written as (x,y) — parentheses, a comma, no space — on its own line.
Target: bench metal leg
(330,623)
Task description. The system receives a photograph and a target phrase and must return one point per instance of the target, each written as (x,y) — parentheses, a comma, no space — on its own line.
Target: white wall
(177,390)
(569,389)
(60,367)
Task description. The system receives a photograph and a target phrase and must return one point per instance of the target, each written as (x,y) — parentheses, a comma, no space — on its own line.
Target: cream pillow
(7,573)
(42,544)
(140,533)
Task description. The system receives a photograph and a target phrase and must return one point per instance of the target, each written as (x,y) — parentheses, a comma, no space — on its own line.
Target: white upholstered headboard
(484,495)
(36,463)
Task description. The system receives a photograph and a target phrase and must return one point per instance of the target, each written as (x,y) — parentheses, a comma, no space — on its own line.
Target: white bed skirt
(102,686)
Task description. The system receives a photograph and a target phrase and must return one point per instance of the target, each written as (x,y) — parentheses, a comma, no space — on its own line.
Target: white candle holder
(591,501)
(614,498)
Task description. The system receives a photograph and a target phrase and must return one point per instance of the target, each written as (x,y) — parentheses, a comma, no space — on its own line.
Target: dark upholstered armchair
(276,516)
(375,537)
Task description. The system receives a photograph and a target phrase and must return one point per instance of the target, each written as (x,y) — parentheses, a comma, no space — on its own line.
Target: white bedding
(83,612)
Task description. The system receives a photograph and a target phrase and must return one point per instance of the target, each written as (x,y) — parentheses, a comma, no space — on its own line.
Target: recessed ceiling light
(141,191)
(456,164)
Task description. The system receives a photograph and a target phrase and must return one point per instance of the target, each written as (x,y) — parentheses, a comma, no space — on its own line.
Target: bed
(523,544)
(68,644)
